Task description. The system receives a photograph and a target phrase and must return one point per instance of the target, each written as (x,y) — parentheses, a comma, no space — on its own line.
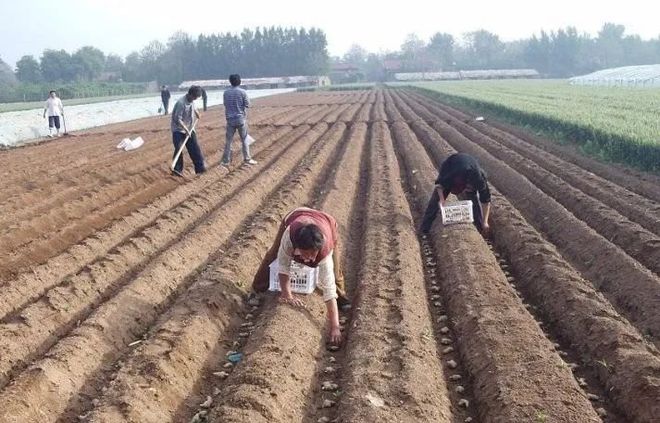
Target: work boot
(250,162)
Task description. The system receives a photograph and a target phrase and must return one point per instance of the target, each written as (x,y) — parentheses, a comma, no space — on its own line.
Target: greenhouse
(28,125)
(627,76)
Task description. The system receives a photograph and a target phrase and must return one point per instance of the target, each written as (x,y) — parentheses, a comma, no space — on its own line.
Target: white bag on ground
(249,140)
(136,143)
(127,144)
(124,143)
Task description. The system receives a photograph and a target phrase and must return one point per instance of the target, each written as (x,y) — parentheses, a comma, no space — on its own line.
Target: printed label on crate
(302,279)
(459,212)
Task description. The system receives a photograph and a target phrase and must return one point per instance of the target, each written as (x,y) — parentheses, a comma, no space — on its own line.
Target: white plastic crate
(302,278)
(458,212)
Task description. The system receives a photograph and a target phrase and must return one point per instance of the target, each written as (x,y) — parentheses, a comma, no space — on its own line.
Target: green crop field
(618,124)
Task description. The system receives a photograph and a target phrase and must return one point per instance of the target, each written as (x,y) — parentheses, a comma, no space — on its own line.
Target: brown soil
(515,372)
(122,287)
(602,262)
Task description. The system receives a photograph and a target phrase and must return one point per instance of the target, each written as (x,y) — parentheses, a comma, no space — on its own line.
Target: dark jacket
(205,98)
(466,168)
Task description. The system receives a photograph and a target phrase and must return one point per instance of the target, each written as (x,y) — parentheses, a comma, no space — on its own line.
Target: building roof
(343,67)
(276,80)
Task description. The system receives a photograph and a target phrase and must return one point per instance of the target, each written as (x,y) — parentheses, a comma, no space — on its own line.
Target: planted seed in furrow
(393,369)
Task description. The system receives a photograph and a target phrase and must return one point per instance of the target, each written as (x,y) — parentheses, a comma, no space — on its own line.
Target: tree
(356,55)
(7,77)
(178,59)
(57,66)
(8,83)
(27,70)
(441,50)
(565,52)
(374,69)
(610,45)
(483,50)
(113,63)
(413,53)
(132,70)
(89,63)
(151,62)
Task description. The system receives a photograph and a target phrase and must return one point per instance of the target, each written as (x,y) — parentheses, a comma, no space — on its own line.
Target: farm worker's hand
(335,335)
(289,298)
(485,229)
(441,195)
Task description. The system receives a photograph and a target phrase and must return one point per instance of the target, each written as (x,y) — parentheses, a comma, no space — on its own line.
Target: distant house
(391,67)
(344,73)
(262,83)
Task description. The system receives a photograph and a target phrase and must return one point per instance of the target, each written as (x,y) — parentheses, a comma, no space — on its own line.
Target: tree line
(273,51)
(279,51)
(561,53)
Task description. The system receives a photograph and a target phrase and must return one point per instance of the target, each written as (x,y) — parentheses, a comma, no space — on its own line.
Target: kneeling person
(309,237)
(461,175)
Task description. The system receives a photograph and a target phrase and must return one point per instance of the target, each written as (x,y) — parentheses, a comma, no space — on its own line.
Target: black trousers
(166,104)
(193,150)
(54,121)
(433,208)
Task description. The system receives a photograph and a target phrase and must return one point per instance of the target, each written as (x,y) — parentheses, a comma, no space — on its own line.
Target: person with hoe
(184,114)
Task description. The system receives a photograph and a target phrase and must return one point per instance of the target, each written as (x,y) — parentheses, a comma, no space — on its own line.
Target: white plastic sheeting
(633,76)
(25,125)
(467,74)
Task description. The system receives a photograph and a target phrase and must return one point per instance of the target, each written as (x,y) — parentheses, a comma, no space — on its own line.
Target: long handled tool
(178,153)
(66,133)
(64,122)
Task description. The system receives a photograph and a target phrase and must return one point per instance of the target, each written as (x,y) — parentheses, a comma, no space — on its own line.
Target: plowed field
(122,287)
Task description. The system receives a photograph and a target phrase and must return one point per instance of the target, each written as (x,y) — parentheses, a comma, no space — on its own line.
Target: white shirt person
(54,109)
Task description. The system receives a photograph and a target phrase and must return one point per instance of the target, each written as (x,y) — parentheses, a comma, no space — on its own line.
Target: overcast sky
(122,26)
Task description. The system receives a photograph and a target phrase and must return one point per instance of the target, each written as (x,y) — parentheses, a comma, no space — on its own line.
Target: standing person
(236,102)
(309,237)
(461,175)
(54,109)
(165,97)
(184,114)
(205,98)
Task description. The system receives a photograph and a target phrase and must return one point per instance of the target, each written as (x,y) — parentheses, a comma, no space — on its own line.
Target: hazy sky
(122,26)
